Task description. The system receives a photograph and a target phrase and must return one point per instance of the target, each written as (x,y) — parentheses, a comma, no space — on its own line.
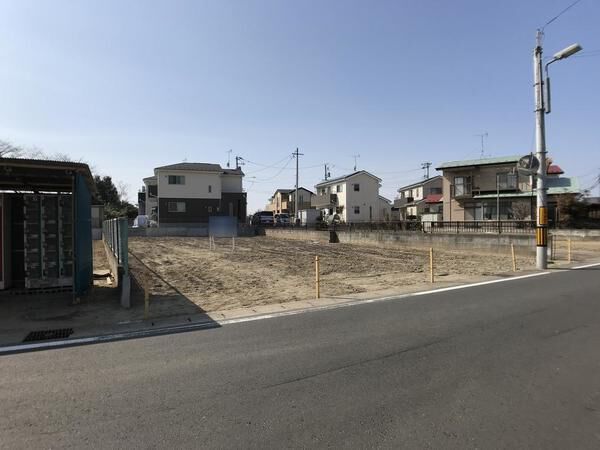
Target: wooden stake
(317,279)
(431,264)
(514,259)
(569,249)
(146,302)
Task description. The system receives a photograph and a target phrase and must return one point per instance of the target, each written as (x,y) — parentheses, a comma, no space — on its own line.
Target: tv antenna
(355,158)
(229,158)
(482,136)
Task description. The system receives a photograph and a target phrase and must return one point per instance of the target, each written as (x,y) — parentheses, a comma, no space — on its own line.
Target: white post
(540,147)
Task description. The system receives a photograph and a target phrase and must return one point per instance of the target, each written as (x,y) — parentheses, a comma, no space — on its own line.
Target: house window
(357,208)
(209,208)
(461,186)
(176,179)
(338,188)
(356,187)
(507,180)
(435,190)
(176,207)
(209,188)
(323,191)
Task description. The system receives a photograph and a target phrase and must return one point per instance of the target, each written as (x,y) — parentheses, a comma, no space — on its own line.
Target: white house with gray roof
(187,194)
(353,198)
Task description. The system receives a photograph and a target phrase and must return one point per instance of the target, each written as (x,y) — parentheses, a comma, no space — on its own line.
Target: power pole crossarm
(425,166)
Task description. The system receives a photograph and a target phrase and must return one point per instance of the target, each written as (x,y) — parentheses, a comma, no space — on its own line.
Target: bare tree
(123,189)
(521,210)
(8,150)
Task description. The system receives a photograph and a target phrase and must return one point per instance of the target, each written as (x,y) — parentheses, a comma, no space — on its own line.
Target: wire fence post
(431,264)
(514,259)
(317,279)
(569,249)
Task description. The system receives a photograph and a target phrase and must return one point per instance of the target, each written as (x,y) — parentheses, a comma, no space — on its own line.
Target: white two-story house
(187,194)
(353,198)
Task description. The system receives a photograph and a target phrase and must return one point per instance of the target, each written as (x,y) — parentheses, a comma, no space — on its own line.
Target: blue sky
(129,86)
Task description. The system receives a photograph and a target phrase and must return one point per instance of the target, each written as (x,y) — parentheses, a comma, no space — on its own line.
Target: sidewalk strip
(371,300)
(203,325)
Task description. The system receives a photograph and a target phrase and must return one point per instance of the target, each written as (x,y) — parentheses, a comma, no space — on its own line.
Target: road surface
(507,365)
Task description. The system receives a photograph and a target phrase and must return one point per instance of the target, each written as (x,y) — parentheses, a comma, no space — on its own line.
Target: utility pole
(326,171)
(297,155)
(355,157)
(239,161)
(541,234)
(425,166)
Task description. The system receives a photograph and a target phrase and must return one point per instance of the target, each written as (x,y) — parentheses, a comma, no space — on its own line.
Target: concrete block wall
(197,231)
(524,244)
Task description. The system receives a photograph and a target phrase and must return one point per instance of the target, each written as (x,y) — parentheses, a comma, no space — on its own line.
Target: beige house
(423,197)
(353,198)
(493,189)
(283,201)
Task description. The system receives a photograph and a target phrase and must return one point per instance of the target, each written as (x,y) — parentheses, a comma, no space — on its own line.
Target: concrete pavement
(506,365)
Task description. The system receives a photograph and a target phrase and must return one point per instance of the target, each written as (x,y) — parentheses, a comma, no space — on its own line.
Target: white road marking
(193,326)
(587,265)
(372,300)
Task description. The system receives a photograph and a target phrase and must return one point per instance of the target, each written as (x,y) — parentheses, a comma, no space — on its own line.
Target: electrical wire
(264,167)
(560,14)
(278,173)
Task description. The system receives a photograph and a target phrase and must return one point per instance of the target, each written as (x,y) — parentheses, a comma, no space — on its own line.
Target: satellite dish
(528,165)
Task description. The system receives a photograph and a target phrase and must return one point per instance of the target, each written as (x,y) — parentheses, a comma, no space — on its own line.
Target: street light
(540,134)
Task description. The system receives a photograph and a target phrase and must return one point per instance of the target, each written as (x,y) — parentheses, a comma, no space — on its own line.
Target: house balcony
(463,191)
(325,201)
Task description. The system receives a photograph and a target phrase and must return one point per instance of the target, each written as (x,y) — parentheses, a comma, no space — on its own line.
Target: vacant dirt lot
(265,270)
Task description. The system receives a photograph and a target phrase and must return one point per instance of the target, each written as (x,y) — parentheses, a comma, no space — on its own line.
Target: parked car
(263,218)
(281,220)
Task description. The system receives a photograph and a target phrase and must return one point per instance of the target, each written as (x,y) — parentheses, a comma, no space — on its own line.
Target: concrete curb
(217,323)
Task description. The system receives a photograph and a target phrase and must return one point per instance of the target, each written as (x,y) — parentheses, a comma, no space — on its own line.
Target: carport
(46,233)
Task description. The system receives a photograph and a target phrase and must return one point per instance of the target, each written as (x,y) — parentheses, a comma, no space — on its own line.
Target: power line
(560,14)
(279,172)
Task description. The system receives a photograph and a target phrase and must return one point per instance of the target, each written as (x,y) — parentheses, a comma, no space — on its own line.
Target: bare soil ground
(265,270)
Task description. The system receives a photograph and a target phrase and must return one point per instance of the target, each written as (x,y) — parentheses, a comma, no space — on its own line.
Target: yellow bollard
(569,249)
(431,264)
(514,259)
(317,280)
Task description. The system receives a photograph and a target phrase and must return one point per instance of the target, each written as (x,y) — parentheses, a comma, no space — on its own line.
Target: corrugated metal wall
(83,237)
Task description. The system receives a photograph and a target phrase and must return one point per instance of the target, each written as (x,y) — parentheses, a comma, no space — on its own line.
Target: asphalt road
(507,365)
